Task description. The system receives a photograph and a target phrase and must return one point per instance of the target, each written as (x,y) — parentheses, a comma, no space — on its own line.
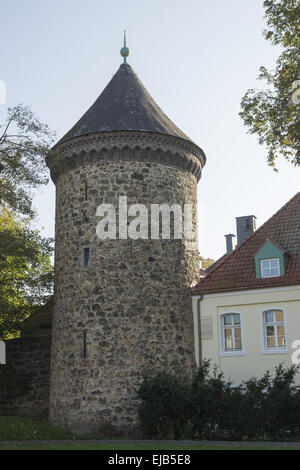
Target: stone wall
(28,357)
(130,310)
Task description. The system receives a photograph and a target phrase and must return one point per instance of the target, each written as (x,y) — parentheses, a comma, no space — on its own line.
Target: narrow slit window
(84,345)
(86,257)
(86,191)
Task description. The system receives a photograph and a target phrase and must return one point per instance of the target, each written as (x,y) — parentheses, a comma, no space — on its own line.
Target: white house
(247,308)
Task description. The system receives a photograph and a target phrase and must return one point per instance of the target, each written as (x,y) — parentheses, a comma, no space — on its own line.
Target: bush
(206,406)
(281,406)
(165,409)
(249,420)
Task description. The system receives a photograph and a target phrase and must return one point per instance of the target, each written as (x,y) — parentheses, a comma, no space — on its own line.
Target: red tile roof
(236,271)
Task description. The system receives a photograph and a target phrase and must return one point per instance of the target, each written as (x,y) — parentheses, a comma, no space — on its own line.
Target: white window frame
(269,259)
(268,350)
(237,352)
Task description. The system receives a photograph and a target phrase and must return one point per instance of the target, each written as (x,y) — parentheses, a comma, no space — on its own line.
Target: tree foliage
(273,114)
(206,262)
(24,144)
(26,274)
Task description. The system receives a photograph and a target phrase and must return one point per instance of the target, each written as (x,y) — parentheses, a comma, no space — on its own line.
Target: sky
(196,58)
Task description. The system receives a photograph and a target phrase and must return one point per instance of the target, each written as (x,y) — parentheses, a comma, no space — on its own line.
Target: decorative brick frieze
(157,148)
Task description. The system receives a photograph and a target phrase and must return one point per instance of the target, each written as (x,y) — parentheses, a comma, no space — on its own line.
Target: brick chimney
(245,226)
(229,242)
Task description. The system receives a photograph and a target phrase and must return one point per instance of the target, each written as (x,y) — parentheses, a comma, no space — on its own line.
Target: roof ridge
(237,248)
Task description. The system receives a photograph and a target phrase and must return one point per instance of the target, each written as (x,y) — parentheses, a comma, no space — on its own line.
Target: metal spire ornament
(124,51)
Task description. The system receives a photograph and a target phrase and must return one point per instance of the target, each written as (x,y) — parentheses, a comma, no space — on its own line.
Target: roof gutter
(199,329)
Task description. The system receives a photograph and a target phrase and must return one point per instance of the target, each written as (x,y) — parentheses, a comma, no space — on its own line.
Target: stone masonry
(29,358)
(129,311)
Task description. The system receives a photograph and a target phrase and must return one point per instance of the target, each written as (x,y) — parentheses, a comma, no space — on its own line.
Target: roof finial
(124,51)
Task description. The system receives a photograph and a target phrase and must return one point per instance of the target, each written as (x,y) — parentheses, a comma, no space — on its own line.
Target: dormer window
(270,267)
(271,260)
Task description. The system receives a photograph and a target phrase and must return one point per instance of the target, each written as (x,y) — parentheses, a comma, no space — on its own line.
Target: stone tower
(122,306)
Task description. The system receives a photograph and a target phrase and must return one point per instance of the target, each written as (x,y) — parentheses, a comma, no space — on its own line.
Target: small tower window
(86,257)
(86,191)
(84,345)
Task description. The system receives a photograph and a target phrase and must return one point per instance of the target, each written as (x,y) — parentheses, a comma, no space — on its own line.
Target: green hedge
(206,406)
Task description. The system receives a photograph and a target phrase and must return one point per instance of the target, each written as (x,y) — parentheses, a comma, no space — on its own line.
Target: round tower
(122,301)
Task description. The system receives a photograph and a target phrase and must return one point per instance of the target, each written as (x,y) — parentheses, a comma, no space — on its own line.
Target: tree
(206,262)
(26,274)
(24,144)
(273,114)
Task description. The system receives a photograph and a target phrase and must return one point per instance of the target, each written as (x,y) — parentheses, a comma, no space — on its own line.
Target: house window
(231,332)
(86,257)
(274,330)
(270,267)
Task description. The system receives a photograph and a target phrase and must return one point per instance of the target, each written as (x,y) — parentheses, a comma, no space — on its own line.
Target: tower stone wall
(130,311)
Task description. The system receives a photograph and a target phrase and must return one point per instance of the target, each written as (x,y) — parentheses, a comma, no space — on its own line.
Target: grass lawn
(13,428)
(115,447)
(24,429)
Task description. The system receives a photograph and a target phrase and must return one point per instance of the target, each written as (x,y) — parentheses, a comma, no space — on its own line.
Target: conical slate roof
(124,105)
